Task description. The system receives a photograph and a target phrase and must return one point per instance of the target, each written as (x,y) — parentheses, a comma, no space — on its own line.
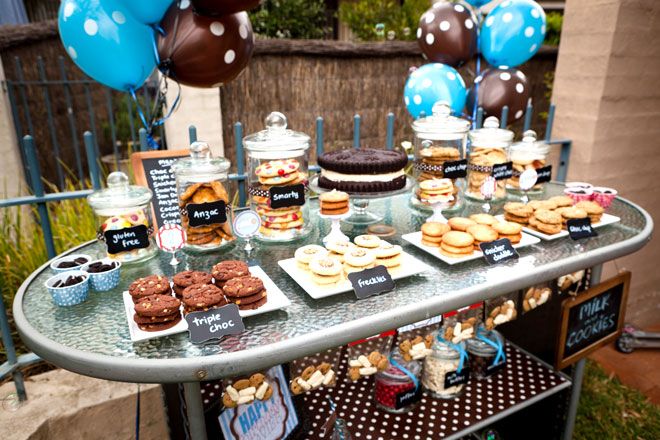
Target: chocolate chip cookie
(243,286)
(157,305)
(188,278)
(147,286)
(226,270)
(203,296)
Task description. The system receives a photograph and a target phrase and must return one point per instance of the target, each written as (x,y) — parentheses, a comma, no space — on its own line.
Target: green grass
(610,410)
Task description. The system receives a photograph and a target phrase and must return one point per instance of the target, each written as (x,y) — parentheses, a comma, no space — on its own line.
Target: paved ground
(640,369)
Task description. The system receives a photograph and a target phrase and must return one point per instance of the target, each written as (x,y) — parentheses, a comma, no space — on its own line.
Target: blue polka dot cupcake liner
(70,295)
(70,257)
(104,281)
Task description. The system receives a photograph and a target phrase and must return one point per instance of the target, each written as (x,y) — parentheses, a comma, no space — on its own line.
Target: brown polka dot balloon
(203,51)
(500,87)
(222,7)
(447,33)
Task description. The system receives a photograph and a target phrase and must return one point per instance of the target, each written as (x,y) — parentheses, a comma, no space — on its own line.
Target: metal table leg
(195,410)
(578,374)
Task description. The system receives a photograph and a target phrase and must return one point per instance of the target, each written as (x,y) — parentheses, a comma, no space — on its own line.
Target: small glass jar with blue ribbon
(486,352)
(445,370)
(398,388)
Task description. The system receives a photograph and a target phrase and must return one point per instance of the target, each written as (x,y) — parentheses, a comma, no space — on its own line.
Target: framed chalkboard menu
(592,319)
(153,169)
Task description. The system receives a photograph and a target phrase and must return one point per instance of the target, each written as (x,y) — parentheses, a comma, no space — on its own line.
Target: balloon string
(478,72)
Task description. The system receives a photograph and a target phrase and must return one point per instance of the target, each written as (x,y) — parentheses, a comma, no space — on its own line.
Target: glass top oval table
(93,338)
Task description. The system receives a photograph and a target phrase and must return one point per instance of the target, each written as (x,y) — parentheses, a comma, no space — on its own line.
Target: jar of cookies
(444,376)
(124,219)
(529,154)
(489,156)
(206,213)
(440,142)
(277,160)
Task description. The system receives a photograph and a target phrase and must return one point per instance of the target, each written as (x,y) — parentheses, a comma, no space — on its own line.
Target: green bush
(362,17)
(553,30)
(302,19)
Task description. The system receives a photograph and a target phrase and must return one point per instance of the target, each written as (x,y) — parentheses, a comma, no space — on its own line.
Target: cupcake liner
(603,199)
(71,295)
(70,257)
(584,194)
(104,281)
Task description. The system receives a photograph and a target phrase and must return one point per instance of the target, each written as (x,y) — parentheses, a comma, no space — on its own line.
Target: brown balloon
(202,51)
(498,88)
(223,7)
(447,33)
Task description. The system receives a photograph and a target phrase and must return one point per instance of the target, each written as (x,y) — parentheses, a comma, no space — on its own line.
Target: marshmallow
(364,361)
(304,384)
(262,390)
(354,363)
(247,391)
(233,393)
(328,377)
(368,371)
(245,399)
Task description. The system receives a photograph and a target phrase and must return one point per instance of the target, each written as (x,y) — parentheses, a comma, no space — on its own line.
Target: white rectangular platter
(409,266)
(606,219)
(415,238)
(276,300)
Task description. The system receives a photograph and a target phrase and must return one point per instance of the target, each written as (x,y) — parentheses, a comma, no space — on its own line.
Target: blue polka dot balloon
(478,3)
(148,11)
(433,83)
(104,39)
(512,32)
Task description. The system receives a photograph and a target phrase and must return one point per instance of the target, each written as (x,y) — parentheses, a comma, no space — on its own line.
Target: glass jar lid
(491,134)
(276,136)
(200,162)
(443,350)
(530,144)
(481,348)
(119,194)
(395,373)
(441,125)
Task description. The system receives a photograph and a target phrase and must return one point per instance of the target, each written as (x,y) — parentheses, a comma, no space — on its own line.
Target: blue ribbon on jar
(497,344)
(405,371)
(459,348)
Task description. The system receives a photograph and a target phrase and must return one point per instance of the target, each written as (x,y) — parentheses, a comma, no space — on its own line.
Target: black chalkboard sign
(127,239)
(592,319)
(544,174)
(498,251)
(579,228)
(455,169)
(286,196)
(408,397)
(203,214)
(503,171)
(153,169)
(214,323)
(371,282)
(455,378)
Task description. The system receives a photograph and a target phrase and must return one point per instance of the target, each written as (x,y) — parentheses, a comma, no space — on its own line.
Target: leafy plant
(554,22)
(363,16)
(301,19)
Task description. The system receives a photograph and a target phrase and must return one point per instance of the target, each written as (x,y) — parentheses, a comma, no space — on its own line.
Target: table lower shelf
(524,381)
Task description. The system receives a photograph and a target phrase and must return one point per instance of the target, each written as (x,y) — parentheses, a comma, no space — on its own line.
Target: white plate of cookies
(458,240)
(323,271)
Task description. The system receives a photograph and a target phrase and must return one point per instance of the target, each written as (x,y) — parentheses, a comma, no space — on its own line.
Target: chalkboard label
(455,169)
(127,239)
(494,368)
(202,214)
(544,174)
(503,171)
(286,196)
(371,281)
(498,251)
(579,228)
(592,319)
(214,324)
(408,397)
(455,378)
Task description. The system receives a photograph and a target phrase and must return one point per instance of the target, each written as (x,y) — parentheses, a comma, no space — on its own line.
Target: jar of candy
(277,161)
(441,377)
(206,213)
(124,219)
(483,356)
(440,142)
(529,154)
(396,391)
(489,156)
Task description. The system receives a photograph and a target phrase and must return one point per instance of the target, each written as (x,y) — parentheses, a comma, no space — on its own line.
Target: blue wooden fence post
(192,133)
(319,137)
(92,160)
(356,131)
(528,116)
(144,145)
(38,189)
(5,333)
(505,116)
(551,120)
(480,118)
(240,162)
(389,142)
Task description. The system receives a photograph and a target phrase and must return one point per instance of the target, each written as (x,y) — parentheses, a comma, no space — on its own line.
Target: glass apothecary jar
(441,377)
(395,391)
(124,219)
(440,142)
(201,185)
(277,162)
(483,356)
(525,155)
(489,156)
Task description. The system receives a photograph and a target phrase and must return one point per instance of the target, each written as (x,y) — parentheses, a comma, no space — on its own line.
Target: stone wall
(608,102)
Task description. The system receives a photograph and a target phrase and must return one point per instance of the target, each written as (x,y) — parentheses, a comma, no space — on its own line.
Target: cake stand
(438,208)
(360,214)
(335,227)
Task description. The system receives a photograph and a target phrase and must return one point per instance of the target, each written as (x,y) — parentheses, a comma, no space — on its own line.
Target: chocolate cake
(363,170)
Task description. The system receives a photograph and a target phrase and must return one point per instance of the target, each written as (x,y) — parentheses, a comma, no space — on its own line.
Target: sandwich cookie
(325,270)
(304,255)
